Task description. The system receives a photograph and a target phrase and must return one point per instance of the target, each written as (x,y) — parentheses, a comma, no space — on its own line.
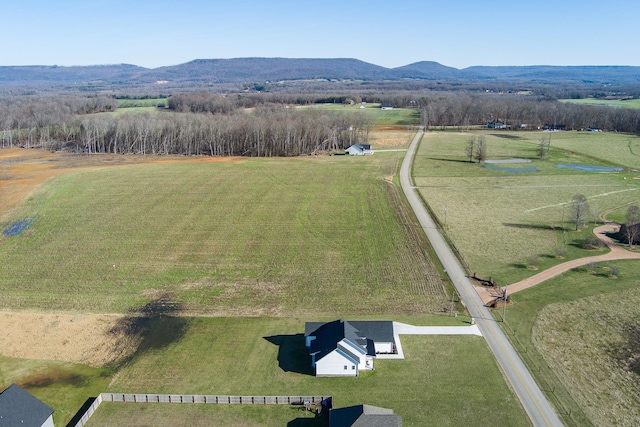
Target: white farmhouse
(344,348)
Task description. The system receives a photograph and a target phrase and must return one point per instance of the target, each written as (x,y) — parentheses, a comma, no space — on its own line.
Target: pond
(590,168)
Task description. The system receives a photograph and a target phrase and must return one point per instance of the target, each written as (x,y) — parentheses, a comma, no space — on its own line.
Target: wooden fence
(196,398)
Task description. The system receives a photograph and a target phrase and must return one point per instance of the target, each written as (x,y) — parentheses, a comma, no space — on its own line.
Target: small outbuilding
(20,408)
(363,416)
(358,149)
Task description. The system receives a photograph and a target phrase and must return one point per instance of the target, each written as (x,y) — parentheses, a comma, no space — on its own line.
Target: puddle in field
(18,227)
(590,168)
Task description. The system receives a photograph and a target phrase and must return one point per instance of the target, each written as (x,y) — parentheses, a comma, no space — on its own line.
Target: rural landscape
(170,231)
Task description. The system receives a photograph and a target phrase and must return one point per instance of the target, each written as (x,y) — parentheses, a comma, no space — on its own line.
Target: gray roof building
(363,416)
(20,408)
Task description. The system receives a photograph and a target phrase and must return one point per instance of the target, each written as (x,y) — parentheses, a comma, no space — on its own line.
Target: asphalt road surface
(534,402)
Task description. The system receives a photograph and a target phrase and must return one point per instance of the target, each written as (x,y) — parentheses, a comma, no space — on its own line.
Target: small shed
(363,416)
(20,408)
(359,150)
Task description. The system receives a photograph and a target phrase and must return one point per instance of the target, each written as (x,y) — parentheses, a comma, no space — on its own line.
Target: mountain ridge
(261,69)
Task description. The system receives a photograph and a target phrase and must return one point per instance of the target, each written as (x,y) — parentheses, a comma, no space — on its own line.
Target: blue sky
(391,33)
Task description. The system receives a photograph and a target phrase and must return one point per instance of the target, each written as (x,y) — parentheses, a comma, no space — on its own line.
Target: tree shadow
(532,226)
(153,325)
(293,356)
(517,265)
(506,136)
(450,160)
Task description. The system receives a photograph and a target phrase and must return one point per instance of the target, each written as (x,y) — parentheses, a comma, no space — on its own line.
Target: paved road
(534,402)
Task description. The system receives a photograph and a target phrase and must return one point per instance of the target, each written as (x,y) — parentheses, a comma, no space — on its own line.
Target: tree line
(219,124)
(265,132)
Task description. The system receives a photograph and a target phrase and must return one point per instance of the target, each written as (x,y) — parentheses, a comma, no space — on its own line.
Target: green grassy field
(630,103)
(373,112)
(128,106)
(443,380)
(161,415)
(578,335)
(136,103)
(259,237)
(498,218)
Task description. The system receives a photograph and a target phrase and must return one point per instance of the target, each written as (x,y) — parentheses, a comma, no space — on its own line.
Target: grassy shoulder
(575,333)
(438,383)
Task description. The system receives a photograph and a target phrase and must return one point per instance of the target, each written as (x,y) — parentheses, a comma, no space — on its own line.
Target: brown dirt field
(78,338)
(390,137)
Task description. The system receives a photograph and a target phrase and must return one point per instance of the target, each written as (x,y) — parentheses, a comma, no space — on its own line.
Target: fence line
(194,399)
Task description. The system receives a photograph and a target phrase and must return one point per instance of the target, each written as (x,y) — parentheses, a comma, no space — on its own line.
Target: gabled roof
(328,335)
(363,416)
(19,408)
(355,147)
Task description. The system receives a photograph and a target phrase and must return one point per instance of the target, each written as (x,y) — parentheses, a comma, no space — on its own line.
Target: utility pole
(453,294)
(504,305)
(445,216)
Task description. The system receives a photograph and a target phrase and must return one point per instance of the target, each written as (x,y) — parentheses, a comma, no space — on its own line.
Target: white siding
(49,422)
(383,347)
(332,365)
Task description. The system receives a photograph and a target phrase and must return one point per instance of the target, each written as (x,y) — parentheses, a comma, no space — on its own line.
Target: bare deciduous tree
(543,146)
(633,217)
(480,153)
(579,209)
(471,148)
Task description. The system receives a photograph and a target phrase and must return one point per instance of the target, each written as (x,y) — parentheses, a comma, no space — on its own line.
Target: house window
(353,367)
(345,367)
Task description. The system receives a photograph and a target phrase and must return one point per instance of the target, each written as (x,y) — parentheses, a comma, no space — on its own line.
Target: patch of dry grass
(583,341)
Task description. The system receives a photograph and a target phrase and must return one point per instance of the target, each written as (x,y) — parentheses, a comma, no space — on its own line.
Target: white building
(342,348)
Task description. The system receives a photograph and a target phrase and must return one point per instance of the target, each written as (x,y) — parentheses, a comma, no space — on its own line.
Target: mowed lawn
(580,336)
(277,237)
(500,217)
(443,381)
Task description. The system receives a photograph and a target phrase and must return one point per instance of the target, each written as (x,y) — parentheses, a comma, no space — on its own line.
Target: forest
(268,124)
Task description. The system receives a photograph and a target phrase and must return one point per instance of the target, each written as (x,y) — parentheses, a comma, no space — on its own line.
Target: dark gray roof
(363,416)
(328,335)
(376,330)
(362,333)
(19,408)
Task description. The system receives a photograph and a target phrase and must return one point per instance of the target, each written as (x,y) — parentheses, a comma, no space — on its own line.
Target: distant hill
(252,70)
(548,74)
(119,73)
(270,69)
(427,70)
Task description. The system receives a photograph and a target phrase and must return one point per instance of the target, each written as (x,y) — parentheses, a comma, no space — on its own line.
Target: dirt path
(616,253)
